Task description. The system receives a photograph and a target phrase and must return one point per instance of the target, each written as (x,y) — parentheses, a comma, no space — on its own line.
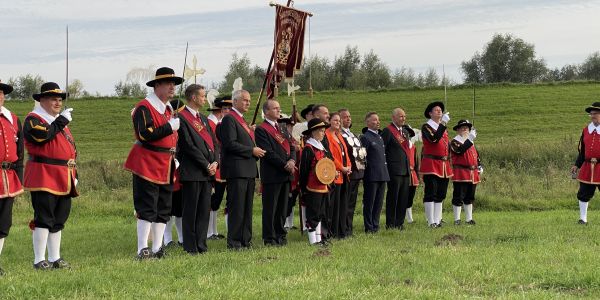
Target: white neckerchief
(591,128)
(316,144)
(237,111)
(213,118)
(194,112)
(157,103)
(433,124)
(38,110)
(461,139)
(4,111)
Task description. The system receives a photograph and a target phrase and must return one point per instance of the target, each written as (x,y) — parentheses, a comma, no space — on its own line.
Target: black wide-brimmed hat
(431,106)
(285,119)
(165,74)
(7,89)
(315,124)
(220,102)
(50,89)
(411,132)
(177,105)
(306,110)
(594,106)
(463,123)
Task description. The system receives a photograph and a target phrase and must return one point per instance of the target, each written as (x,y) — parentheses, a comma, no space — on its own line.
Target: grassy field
(526,243)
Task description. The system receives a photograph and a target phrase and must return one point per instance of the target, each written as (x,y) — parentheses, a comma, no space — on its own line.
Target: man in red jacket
(152,163)
(11,151)
(50,173)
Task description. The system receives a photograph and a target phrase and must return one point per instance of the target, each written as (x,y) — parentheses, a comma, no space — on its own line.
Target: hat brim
(587,110)
(431,106)
(308,131)
(174,79)
(455,128)
(39,96)
(411,132)
(285,120)
(7,89)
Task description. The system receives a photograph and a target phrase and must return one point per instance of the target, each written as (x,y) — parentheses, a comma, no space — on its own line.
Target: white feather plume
(237,85)
(211,96)
(417,137)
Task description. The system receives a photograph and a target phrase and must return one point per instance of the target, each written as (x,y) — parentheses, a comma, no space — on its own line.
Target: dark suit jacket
(397,161)
(273,163)
(376,169)
(236,149)
(356,173)
(193,152)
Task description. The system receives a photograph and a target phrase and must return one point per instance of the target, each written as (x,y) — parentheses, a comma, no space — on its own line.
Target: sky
(109,38)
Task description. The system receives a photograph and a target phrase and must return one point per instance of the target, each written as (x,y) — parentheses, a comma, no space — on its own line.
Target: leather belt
(51,161)
(464,167)
(435,157)
(6,165)
(171,151)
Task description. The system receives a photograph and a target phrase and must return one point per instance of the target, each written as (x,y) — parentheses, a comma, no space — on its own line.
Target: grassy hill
(527,138)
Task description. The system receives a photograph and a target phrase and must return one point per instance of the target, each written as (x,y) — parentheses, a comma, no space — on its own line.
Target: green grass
(526,243)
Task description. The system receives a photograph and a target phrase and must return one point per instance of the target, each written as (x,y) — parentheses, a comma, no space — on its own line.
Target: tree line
(505,58)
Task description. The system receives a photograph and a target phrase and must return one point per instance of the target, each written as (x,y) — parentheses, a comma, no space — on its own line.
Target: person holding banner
(11,150)
(198,157)
(239,169)
(276,173)
(151,161)
(435,164)
(466,168)
(50,173)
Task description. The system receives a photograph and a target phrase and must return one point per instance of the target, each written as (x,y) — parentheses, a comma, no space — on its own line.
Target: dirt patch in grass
(322,252)
(450,239)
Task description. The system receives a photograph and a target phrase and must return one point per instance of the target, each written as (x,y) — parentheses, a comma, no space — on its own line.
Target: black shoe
(170,244)
(472,222)
(145,253)
(457,222)
(270,243)
(60,264)
(439,225)
(161,253)
(582,222)
(42,265)
(433,225)
(218,236)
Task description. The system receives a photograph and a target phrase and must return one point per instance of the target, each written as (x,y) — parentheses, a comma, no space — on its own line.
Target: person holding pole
(435,164)
(152,161)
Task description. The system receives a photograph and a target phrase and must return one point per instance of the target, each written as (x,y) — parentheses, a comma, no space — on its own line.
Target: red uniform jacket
(589,157)
(11,151)
(435,153)
(465,161)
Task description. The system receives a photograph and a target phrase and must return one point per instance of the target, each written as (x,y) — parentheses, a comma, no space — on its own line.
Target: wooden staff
(182,76)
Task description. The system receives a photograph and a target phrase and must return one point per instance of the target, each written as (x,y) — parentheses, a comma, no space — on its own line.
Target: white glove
(67,114)
(472,135)
(176,163)
(174,122)
(480,169)
(446,118)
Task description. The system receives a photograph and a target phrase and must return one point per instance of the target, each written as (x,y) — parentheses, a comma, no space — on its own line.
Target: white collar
(274,124)
(591,128)
(373,131)
(347,131)
(194,112)
(316,144)
(461,139)
(433,124)
(237,111)
(4,111)
(38,110)
(399,128)
(157,103)
(213,118)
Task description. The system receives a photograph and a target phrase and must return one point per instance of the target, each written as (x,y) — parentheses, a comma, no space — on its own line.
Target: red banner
(289,41)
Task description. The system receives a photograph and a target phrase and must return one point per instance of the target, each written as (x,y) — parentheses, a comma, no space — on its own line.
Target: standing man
(357,154)
(435,166)
(376,173)
(276,173)
(151,160)
(587,160)
(239,169)
(466,168)
(11,150)
(398,155)
(307,115)
(222,107)
(50,173)
(197,155)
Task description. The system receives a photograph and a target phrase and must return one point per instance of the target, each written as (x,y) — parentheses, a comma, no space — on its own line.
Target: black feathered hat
(306,110)
(50,89)
(463,123)
(7,89)
(315,124)
(165,74)
(594,106)
(431,106)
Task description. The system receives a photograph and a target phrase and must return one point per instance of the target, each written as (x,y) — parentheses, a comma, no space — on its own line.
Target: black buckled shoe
(144,254)
(471,222)
(433,225)
(582,222)
(60,264)
(456,222)
(161,253)
(42,265)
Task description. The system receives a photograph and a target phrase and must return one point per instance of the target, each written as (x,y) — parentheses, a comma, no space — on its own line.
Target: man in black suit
(396,139)
(376,173)
(197,155)
(276,173)
(239,169)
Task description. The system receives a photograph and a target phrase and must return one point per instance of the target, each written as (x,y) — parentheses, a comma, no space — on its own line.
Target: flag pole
(182,76)
(67,69)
